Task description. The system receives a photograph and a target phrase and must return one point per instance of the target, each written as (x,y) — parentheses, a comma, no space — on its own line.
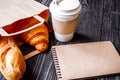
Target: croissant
(12,63)
(37,37)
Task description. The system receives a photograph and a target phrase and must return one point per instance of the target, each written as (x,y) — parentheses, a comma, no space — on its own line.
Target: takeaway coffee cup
(65,15)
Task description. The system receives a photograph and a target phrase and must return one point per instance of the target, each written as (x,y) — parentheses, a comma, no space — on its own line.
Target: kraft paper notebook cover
(85,60)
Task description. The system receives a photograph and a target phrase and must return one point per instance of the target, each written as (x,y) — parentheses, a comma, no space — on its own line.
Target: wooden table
(99,21)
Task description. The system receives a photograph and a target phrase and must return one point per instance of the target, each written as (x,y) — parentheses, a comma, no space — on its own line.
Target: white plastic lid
(65,9)
(68,4)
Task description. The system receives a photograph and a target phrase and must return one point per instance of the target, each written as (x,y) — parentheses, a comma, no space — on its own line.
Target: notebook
(84,60)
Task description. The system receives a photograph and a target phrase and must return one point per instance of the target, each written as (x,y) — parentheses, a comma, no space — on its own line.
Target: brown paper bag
(19,11)
(15,17)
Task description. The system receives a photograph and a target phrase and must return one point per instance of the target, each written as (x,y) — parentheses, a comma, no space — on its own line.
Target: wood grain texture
(98,21)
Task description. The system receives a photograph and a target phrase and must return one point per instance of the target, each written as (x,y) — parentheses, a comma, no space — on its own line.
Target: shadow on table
(80,38)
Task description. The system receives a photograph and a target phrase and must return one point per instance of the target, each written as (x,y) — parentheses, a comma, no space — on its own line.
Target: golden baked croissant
(37,37)
(12,63)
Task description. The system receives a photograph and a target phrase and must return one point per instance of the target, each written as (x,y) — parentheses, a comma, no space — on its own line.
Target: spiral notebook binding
(56,62)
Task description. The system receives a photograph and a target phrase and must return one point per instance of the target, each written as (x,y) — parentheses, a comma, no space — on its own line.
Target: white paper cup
(63,38)
(65,15)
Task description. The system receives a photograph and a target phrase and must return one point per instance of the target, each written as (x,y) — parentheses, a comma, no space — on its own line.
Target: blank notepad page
(85,60)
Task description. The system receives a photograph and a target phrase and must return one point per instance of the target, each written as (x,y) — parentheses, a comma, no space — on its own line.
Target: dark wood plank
(98,21)
(111,29)
(45,2)
(89,25)
(95,5)
(111,6)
